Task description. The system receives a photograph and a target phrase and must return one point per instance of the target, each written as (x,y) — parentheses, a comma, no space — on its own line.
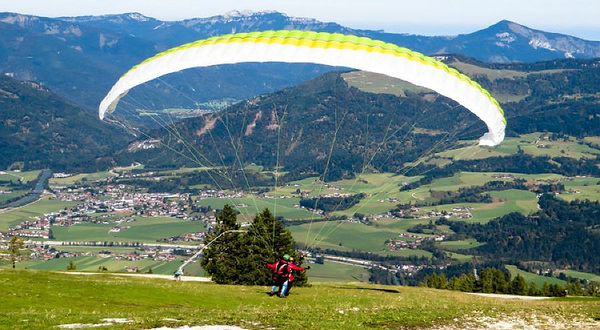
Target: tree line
(494,280)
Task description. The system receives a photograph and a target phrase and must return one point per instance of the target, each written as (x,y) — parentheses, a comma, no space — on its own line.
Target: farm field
(535,278)
(143,229)
(248,206)
(581,188)
(511,200)
(532,144)
(15,177)
(93,263)
(582,275)
(331,271)
(460,245)
(350,236)
(380,84)
(79,177)
(25,213)
(12,194)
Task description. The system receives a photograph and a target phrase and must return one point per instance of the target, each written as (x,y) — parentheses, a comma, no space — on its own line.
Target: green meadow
(143,229)
(80,178)
(582,275)
(331,271)
(351,236)
(93,264)
(535,278)
(15,177)
(30,211)
(507,201)
(44,300)
(533,144)
(248,206)
(460,245)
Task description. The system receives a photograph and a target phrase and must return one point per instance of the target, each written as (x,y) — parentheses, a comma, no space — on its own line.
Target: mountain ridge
(81,57)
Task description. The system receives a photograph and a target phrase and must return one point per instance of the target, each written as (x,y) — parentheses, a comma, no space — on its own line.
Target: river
(35,193)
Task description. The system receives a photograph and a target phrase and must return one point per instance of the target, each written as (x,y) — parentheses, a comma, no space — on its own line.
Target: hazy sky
(580,18)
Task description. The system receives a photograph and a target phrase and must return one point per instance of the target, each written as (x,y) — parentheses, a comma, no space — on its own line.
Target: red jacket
(291,265)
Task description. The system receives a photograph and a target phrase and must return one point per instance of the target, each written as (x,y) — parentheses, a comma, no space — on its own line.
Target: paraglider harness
(281,272)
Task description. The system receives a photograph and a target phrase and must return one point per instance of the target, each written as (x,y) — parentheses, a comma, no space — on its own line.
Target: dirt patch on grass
(521,322)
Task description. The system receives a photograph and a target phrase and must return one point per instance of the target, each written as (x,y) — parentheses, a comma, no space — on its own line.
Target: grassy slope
(337,272)
(531,277)
(41,300)
(587,276)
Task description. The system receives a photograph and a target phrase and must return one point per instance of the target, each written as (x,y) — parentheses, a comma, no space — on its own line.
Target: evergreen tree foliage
(241,258)
(266,242)
(222,258)
(518,285)
(532,290)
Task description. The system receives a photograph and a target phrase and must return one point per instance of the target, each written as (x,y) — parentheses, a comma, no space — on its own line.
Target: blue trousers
(283,287)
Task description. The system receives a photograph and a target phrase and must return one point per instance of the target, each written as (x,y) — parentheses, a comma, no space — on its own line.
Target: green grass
(461,180)
(593,140)
(532,144)
(581,188)
(89,177)
(142,230)
(44,300)
(380,84)
(460,245)
(535,278)
(96,249)
(351,236)
(460,257)
(510,200)
(15,177)
(28,212)
(582,275)
(91,264)
(331,271)
(13,194)
(285,206)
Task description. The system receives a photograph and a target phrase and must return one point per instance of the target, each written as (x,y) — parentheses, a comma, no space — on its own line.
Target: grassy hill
(42,300)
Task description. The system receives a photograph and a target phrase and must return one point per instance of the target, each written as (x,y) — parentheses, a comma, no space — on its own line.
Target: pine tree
(532,290)
(518,285)
(242,258)
(221,260)
(574,289)
(545,290)
(485,283)
(467,283)
(266,242)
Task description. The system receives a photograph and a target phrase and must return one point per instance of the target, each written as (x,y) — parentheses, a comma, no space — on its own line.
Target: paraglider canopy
(320,48)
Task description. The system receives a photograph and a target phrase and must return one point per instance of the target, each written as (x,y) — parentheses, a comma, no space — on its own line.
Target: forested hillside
(325,123)
(42,130)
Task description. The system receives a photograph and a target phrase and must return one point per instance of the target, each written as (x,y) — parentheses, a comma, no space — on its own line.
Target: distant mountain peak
(138,17)
(247,13)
